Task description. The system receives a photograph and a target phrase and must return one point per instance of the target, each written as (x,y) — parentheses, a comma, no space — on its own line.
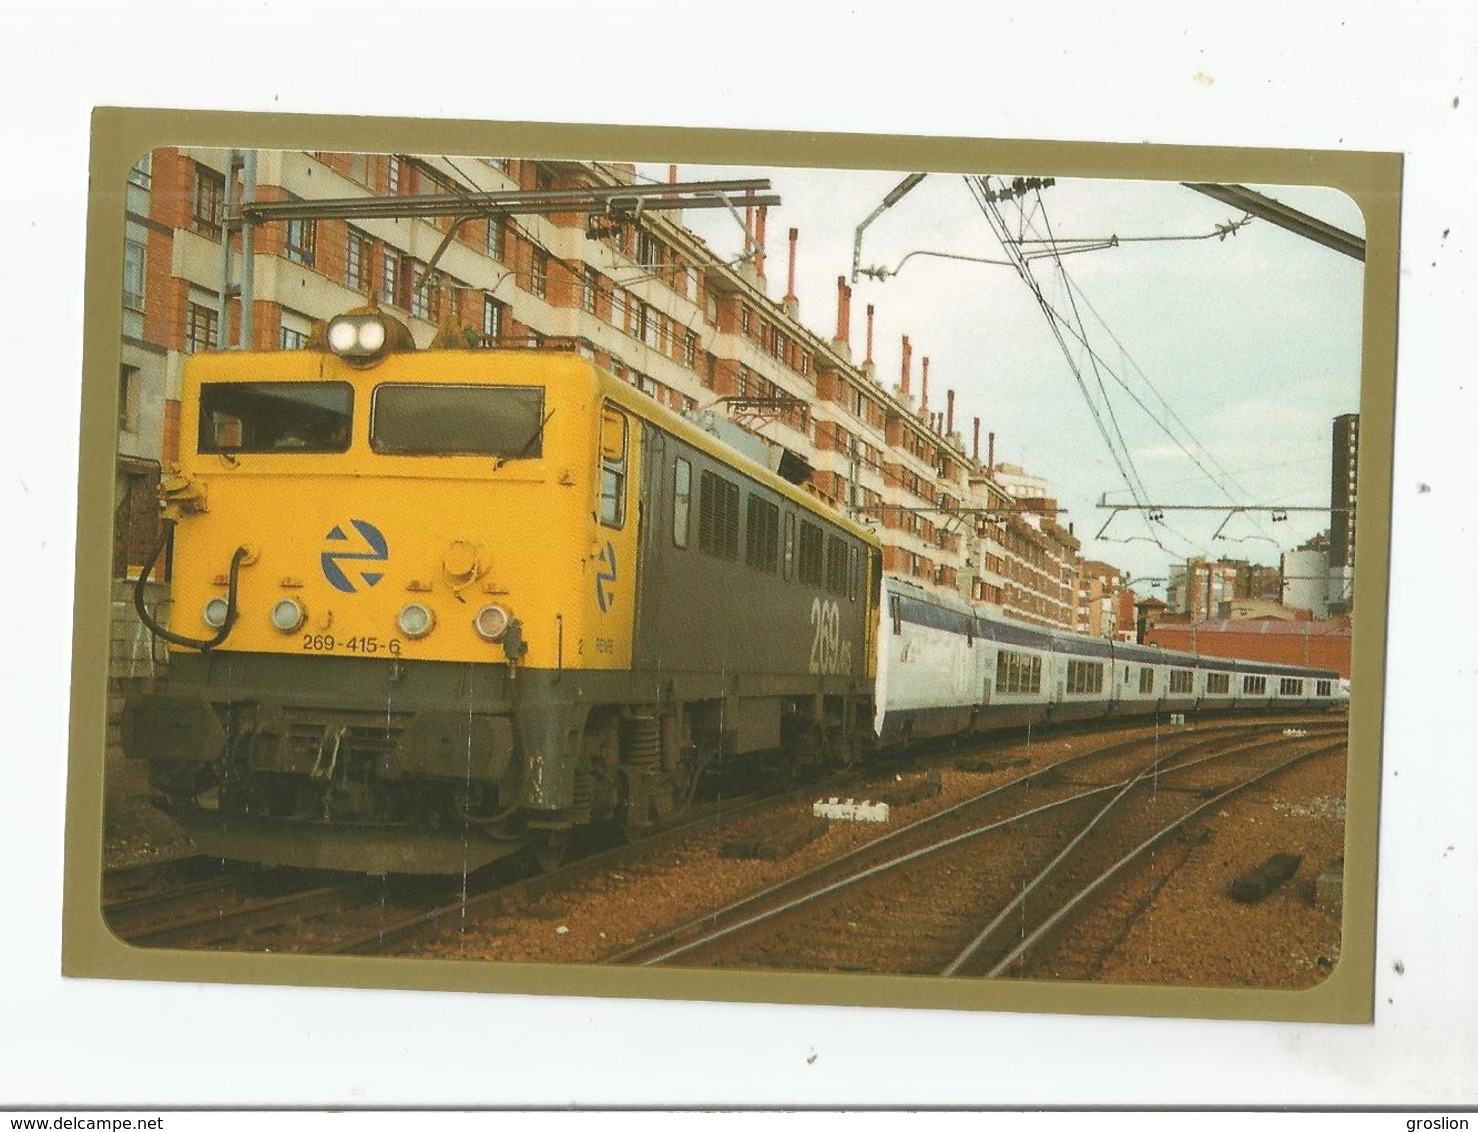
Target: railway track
(976,888)
(213,904)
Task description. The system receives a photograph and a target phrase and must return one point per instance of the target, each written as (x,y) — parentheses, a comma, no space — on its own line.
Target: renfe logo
(378,551)
(605,577)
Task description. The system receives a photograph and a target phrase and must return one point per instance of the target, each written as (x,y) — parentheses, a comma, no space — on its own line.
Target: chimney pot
(759,240)
(790,276)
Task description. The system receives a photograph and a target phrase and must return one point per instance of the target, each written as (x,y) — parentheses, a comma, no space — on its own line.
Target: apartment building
(645,298)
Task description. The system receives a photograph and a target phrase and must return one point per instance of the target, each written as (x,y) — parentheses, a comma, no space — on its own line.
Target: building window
(209,207)
(647,330)
(492,320)
(135,516)
(296,329)
(589,289)
(129,389)
(200,328)
(142,172)
(135,255)
(418,288)
(495,241)
(389,277)
(690,349)
(392,174)
(357,260)
(299,245)
(539,273)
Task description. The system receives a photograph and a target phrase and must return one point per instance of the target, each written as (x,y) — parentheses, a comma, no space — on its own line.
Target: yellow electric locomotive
(429,607)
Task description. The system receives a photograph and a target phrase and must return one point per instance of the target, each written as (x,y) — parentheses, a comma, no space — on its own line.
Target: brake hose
(174,638)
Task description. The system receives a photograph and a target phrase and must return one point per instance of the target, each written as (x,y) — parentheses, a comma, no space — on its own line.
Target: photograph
(933,583)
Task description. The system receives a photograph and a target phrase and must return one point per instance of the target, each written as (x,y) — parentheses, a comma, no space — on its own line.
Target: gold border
(120,136)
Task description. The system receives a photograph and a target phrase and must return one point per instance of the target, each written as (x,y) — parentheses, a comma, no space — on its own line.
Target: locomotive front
(373,560)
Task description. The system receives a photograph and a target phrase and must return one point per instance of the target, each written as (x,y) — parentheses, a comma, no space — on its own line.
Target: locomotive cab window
(458,420)
(614,437)
(275,416)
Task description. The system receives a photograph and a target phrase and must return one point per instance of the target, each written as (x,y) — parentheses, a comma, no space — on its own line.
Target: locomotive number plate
(365,646)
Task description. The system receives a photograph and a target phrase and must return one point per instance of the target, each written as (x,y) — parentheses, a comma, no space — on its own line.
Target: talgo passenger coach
(433,607)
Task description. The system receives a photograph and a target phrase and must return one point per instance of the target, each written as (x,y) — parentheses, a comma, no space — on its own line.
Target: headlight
(371,335)
(491,622)
(358,337)
(288,615)
(215,612)
(415,621)
(343,336)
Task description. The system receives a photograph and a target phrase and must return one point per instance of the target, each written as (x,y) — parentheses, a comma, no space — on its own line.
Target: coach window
(614,435)
(1147,680)
(682,501)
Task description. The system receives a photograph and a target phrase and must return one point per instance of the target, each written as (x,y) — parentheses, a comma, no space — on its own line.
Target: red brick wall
(1312,650)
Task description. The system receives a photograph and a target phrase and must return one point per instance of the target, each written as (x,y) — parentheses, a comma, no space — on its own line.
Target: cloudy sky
(1221,362)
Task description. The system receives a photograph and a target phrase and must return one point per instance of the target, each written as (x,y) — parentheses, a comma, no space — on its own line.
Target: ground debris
(1267,877)
(775,840)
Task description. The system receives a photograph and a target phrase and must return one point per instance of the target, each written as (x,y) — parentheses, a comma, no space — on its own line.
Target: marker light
(215,612)
(415,620)
(288,615)
(491,622)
